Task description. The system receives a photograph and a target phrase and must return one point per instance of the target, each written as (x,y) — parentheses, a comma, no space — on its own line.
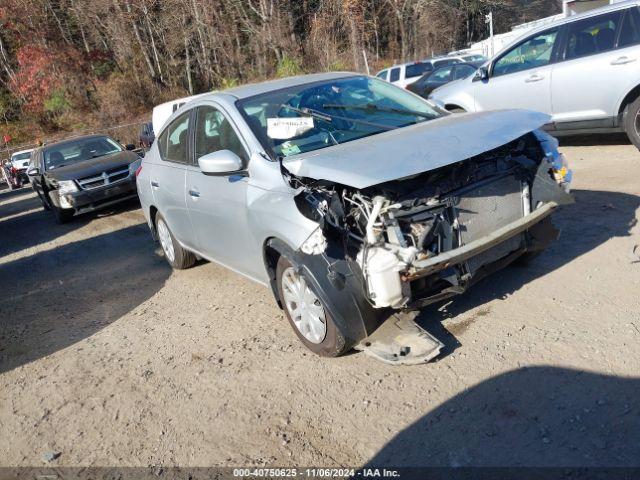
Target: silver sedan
(351,198)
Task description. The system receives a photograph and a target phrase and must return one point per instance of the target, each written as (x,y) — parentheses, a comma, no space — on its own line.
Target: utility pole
(489,19)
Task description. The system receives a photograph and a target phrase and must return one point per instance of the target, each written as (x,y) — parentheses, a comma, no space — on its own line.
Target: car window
(214,132)
(441,75)
(630,33)
(382,75)
(416,69)
(79,150)
(395,75)
(591,36)
(462,71)
(532,53)
(344,109)
(446,62)
(174,141)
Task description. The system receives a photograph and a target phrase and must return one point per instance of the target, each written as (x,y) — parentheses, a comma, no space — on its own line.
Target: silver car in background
(352,198)
(584,71)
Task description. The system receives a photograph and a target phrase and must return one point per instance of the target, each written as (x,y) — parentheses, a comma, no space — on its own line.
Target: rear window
(416,70)
(20,156)
(395,75)
(446,62)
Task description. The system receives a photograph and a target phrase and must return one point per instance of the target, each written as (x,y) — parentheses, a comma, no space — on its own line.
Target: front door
(218,204)
(520,78)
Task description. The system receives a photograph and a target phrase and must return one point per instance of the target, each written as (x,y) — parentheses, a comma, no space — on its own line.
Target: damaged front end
(421,239)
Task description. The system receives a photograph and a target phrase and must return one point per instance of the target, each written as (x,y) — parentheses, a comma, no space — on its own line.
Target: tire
(62,215)
(632,122)
(44,203)
(174,254)
(326,342)
(526,258)
(457,110)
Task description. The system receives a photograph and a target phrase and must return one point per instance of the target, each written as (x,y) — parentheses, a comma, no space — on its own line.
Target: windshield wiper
(374,107)
(328,118)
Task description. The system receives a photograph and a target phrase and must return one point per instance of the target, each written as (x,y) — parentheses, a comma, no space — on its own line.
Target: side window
(214,132)
(395,75)
(532,53)
(630,33)
(592,36)
(462,71)
(174,141)
(382,75)
(441,75)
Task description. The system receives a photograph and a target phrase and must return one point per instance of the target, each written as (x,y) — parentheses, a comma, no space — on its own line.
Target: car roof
(572,18)
(251,89)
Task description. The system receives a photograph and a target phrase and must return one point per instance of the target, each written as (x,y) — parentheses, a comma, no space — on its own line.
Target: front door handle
(154,184)
(194,193)
(623,60)
(534,78)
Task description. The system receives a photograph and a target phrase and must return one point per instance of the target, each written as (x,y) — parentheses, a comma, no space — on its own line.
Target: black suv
(83,174)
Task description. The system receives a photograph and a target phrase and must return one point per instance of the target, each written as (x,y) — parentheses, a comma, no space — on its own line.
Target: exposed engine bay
(421,239)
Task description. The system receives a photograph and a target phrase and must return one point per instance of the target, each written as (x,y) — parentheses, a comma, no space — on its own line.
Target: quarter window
(532,53)
(630,34)
(592,36)
(174,141)
(214,132)
(382,75)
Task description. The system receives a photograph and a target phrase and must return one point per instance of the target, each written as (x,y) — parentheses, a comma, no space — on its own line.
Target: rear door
(168,177)
(521,77)
(592,70)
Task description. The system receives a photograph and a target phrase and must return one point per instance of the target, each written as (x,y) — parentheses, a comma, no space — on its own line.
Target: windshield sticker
(288,148)
(284,128)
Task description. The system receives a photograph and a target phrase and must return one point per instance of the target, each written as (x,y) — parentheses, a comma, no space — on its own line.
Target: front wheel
(178,257)
(632,122)
(306,313)
(62,215)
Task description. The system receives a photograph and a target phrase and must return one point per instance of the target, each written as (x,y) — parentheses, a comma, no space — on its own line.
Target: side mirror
(482,74)
(130,146)
(33,171)
(222,162)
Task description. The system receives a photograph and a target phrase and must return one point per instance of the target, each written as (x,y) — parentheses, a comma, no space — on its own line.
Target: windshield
(16,157)
(309,117)
(79,150)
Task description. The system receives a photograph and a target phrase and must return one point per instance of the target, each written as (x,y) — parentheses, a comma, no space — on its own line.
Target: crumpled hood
(412,150)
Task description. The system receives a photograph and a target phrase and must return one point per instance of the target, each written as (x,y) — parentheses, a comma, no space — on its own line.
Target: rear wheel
(457,110)
(632,122)
(306,313)
(178,257)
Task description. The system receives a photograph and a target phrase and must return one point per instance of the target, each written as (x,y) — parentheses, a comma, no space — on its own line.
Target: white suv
(583,70)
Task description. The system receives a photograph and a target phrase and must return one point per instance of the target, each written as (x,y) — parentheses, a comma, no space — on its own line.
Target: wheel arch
(629,98)
(272,249)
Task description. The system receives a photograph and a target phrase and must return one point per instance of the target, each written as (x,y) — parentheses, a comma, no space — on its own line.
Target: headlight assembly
(66,186)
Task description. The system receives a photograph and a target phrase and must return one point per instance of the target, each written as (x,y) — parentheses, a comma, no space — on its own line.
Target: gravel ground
(109,358)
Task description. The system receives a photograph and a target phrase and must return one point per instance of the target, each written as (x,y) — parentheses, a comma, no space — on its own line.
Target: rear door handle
(534,78)
(154,184)
(194,193)
(623,60)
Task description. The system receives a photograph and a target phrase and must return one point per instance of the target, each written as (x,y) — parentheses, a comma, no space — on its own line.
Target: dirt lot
(109,358)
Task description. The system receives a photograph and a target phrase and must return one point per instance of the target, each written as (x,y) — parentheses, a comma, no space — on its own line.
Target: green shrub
(288,67)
